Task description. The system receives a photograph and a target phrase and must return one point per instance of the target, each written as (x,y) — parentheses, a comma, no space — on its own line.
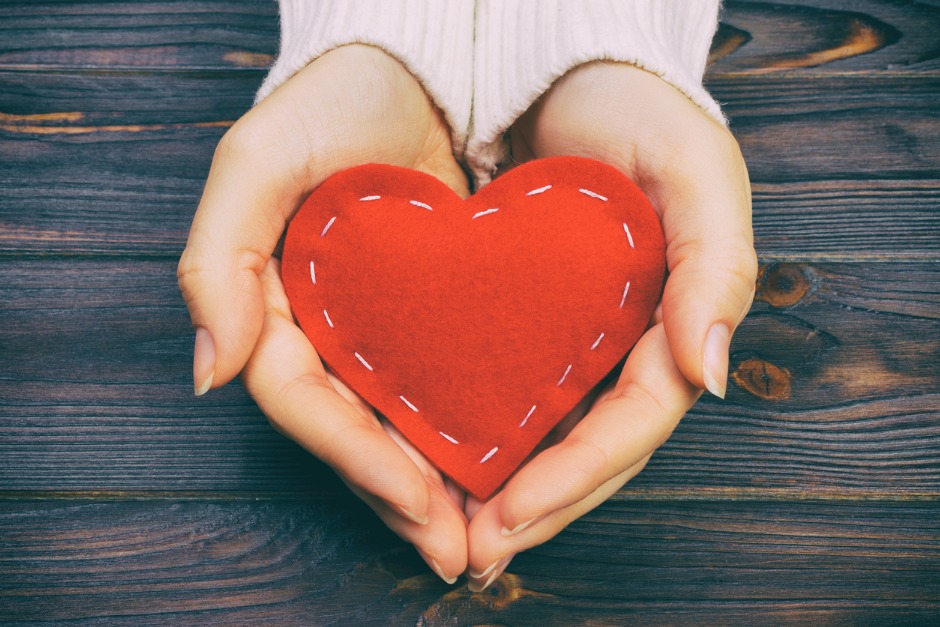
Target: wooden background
(812,494)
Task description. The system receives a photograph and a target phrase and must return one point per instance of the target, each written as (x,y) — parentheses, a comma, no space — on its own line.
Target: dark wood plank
(835,127)
(109,178)
(209,34)
(826,36)
(842,167)
(330,562)
(877,220)
(807,36)
(834,387)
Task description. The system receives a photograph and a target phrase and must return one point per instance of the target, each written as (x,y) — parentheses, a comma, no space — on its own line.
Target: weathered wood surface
(755,37)
(811,495)
(329,564)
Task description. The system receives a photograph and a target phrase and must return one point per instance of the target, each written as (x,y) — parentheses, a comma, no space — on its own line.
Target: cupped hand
(692,170)
(351,106)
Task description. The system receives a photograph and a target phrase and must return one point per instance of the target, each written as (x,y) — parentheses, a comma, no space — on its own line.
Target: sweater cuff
(522,47)
(434,40)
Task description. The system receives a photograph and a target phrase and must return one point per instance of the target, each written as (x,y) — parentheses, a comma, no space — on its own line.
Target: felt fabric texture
(475,325)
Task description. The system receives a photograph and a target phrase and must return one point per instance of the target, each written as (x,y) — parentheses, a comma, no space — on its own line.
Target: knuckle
(244,137)
(742,271)
(589,461)
(642,400)
(190,268)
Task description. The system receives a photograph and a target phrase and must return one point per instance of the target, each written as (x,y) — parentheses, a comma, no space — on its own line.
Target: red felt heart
(475,325)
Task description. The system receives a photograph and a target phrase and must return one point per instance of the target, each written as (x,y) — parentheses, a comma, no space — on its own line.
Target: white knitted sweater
(484,63)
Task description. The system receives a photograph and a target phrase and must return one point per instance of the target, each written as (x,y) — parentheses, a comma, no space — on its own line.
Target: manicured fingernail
(495,569)
(421,520)
(475,575)
(203,361)
(440,573)
(715,362)
(520,527)
(436,568)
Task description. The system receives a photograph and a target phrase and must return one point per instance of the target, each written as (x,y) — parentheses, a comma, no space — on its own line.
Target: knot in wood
(763,379)
(783,284)
(504,591)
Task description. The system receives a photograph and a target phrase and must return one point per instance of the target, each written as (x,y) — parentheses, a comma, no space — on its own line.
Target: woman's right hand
(353,105)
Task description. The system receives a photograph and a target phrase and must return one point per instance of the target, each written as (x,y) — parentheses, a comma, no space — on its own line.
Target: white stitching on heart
(484,213)
(597,341)
(313,273)
(328,321)
(363,362)
(564,376)
(539,190)
(447,437)
(418,203)
(328,225)
(368,198)
(623,298)
(490,454)
(629,237)
(408,403)
(588,192)
(526,419)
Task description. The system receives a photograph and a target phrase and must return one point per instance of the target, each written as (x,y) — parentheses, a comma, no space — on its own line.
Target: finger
(287,379)
(431,474)
(441,542)
(621,430)
(706,209)
(491,550)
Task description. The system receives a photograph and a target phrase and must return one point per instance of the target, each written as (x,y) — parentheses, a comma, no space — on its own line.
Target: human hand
(351,106)
(692,170)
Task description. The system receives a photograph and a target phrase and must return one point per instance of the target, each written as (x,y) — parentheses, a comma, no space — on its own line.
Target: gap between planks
(800,257)
(701,493)
(756,74)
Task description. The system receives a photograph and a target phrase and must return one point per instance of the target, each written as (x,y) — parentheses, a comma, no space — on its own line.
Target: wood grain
(849,169)
(96,390)
(826,36)
(204,34)
(329,562)
(815,36)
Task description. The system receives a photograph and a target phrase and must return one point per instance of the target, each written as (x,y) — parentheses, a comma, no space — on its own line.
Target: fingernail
(436,568)
(203,361)
(715,362)
(489,569)
(421,520)
(440,573)
(495,569)
(511,532)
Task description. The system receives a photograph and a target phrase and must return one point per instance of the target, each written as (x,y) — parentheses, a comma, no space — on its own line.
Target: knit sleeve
(523,46)
(434,40)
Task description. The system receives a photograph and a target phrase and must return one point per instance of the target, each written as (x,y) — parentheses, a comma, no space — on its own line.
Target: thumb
(240,217)
(712,264)
(225,302)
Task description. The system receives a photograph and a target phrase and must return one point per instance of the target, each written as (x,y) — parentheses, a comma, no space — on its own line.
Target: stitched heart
(475,325)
